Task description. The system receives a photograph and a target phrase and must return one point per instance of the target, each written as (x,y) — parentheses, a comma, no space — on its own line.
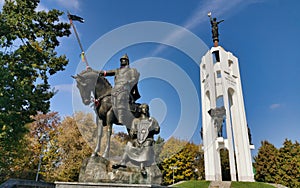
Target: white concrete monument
(224,124)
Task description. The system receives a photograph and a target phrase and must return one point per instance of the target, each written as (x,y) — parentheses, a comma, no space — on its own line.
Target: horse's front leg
(109,120)
(99,136)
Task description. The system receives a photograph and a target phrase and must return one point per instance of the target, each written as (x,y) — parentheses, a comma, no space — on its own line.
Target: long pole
(173,176)
(173,168)
(78,40)
(40,162)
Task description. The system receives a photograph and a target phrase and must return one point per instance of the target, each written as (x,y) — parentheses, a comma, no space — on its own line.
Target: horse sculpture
(89,82)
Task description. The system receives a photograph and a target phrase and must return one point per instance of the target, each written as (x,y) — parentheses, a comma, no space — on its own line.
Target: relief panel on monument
(230,80)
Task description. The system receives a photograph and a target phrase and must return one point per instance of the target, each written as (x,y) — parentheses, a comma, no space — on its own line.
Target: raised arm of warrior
(108,73)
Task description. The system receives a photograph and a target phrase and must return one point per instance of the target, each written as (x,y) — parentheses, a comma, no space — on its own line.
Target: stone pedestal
(97,169)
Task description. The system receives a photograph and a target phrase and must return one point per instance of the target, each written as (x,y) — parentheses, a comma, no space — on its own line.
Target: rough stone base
(98,170)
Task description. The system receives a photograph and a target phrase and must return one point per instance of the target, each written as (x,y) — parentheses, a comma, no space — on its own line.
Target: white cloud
(42,7)
(63,88)
(219,9)
(1,3)
(73,4)
(275,106)
(68,4)
(216,7)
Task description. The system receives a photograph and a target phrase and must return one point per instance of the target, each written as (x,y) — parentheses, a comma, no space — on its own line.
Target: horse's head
(86,82)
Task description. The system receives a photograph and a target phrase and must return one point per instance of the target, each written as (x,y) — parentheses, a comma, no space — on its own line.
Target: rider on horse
(125,90)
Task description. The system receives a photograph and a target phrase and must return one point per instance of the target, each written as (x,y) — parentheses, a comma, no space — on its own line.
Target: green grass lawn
(250,185)
(205,184)
(194,183)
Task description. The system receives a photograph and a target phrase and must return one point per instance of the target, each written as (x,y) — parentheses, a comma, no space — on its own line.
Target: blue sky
(263,34)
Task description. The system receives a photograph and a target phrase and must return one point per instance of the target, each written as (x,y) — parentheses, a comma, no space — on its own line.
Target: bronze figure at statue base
(98,169)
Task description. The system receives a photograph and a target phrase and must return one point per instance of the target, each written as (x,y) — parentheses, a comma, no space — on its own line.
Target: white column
(222,78)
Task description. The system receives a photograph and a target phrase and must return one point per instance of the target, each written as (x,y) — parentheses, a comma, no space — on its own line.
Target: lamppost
(173,168)
(43,138)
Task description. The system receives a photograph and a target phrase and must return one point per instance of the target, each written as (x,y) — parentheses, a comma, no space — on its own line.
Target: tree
(28,39)
(225,166)
(122,137)
(266,163)
(44,130)
(40,140)
(278,166)
(73,148)
(158,145)
(171,147)
(289,164)
(184,165)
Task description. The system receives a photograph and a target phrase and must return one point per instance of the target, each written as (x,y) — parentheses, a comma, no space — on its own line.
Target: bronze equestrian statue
(89,82)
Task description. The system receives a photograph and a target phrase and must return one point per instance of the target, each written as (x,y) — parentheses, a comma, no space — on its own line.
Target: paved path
(220,184)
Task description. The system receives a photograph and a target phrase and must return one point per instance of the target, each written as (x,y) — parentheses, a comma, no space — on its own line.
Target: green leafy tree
(278,166)
(28,39)
(171,147)
(289,164)
(266,163)
(183,165)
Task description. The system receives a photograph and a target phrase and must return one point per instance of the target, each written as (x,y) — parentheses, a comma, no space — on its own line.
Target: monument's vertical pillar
(224,122)
(212,162)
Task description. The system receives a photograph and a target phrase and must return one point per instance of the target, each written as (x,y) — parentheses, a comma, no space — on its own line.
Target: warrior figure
(139,151)
(125,90)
